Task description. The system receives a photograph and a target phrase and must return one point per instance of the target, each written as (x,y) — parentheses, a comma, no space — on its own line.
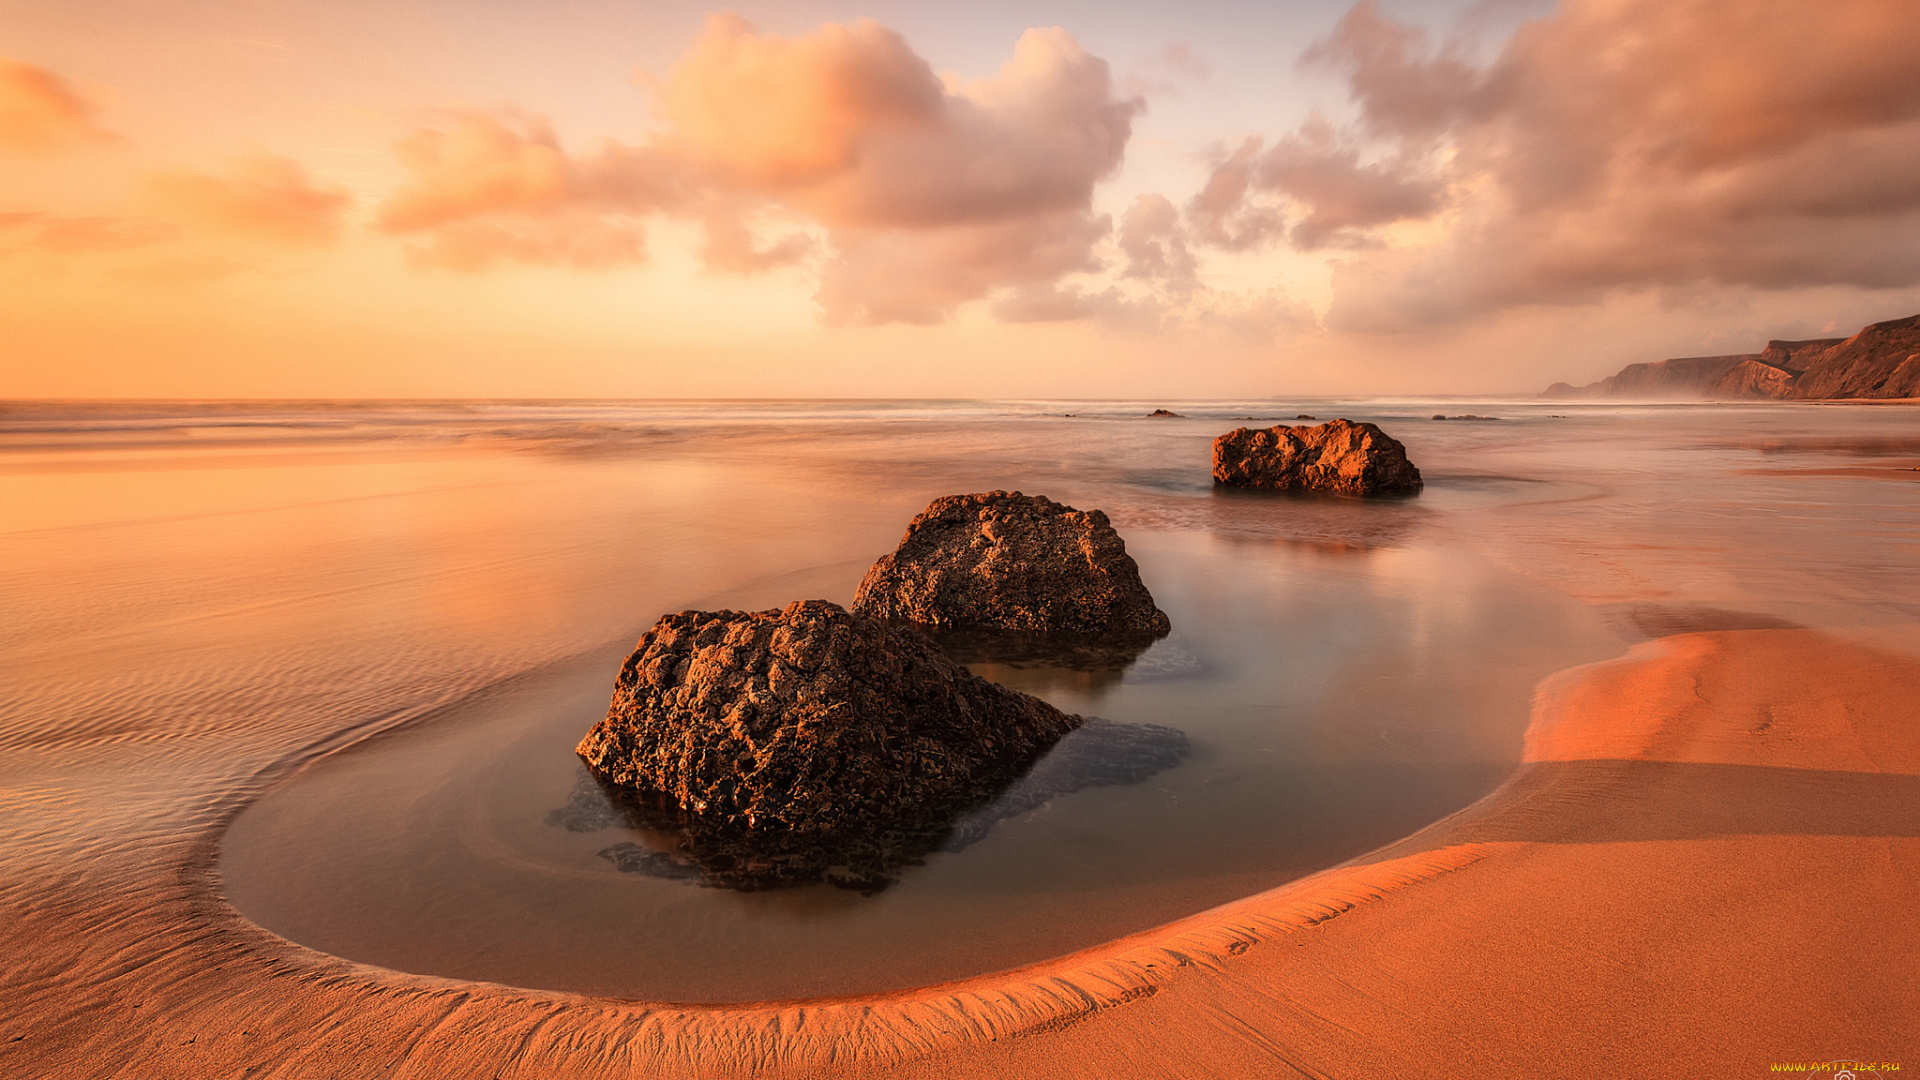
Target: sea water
(465,578)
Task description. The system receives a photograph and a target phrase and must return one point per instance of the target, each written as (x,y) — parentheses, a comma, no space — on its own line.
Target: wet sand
(1707,863)
(1710,861)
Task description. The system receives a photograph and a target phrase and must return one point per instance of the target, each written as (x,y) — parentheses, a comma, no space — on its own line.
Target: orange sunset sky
(479,198)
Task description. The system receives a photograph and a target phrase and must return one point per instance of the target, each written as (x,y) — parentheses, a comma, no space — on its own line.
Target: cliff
(1881,361)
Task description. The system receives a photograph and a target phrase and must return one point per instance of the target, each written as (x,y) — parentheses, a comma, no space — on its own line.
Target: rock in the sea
(1164,413)
(1000,561)
(1338,456)
(688,847)
(810,720)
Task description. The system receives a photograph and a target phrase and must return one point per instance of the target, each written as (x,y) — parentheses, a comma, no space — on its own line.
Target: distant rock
(1685,378)
(1466,416)
(1306,416)
(809,721)
(1000,561)
(1793,356)
(1338,456)
(1881,361)
(1750,379)
(1164,412)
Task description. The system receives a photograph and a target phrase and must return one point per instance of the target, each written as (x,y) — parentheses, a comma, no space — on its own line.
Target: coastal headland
(1710,858)
(1881,362)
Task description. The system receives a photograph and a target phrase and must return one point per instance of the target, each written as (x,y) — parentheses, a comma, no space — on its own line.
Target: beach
(1702,857)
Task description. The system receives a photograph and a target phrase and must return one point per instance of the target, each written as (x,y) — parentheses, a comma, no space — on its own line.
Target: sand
(1709,863)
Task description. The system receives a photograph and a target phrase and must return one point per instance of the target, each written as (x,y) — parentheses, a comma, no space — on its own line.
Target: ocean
(354,643)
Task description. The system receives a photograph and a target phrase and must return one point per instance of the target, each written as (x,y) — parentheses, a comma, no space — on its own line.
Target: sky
(590,198)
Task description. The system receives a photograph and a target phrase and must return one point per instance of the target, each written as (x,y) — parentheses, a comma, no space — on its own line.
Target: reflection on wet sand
(670,842)
(1642,621)
(1089,667)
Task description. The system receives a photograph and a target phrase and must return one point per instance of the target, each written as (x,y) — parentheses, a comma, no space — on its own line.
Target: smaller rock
(1439,416)
(1339,456)
(1306,416)
(1163,412)
(999,561)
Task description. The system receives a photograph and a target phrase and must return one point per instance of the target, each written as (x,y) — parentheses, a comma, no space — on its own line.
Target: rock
(1794,356)
(999,561)
(1338,456)
(1685,377)
(1881,361)
(1751,379)
(1306,416)
(809,721)
(692,848)
(1439,416)
(1163,412)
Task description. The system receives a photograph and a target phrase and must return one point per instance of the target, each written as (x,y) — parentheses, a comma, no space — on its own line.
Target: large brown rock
(809,720)
(1339,456)
(1000,561)
(690,847)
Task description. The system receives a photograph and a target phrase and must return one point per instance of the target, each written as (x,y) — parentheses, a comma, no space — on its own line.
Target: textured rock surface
(1000,561)
(1338,456)
(1881,361)
(809,720)
(1750,379)
(1793,356)
(1099,753)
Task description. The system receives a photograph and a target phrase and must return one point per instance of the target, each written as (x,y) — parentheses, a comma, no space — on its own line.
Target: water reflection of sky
(1345,669)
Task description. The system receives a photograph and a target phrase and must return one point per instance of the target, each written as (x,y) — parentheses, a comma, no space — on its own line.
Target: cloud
(931,193)
(769,113)
(58,234)
(487,188)
(730,247)
(260,196)
(42,113)
(1613,145)
(1156,247)
(921,275)
(1169,70)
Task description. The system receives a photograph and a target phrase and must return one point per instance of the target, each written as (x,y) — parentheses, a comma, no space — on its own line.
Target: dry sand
(1708,864)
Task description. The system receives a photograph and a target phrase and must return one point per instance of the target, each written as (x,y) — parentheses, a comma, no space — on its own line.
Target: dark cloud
(1616,144)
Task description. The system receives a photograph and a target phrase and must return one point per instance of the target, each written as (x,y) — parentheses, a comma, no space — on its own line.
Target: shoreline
(1627,764)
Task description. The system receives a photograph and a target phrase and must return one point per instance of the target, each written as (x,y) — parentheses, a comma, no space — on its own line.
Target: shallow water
(1345,671)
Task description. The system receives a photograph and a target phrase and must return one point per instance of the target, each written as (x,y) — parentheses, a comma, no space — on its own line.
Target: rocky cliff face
(1881,361)
(1750,379)
(1793,356)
